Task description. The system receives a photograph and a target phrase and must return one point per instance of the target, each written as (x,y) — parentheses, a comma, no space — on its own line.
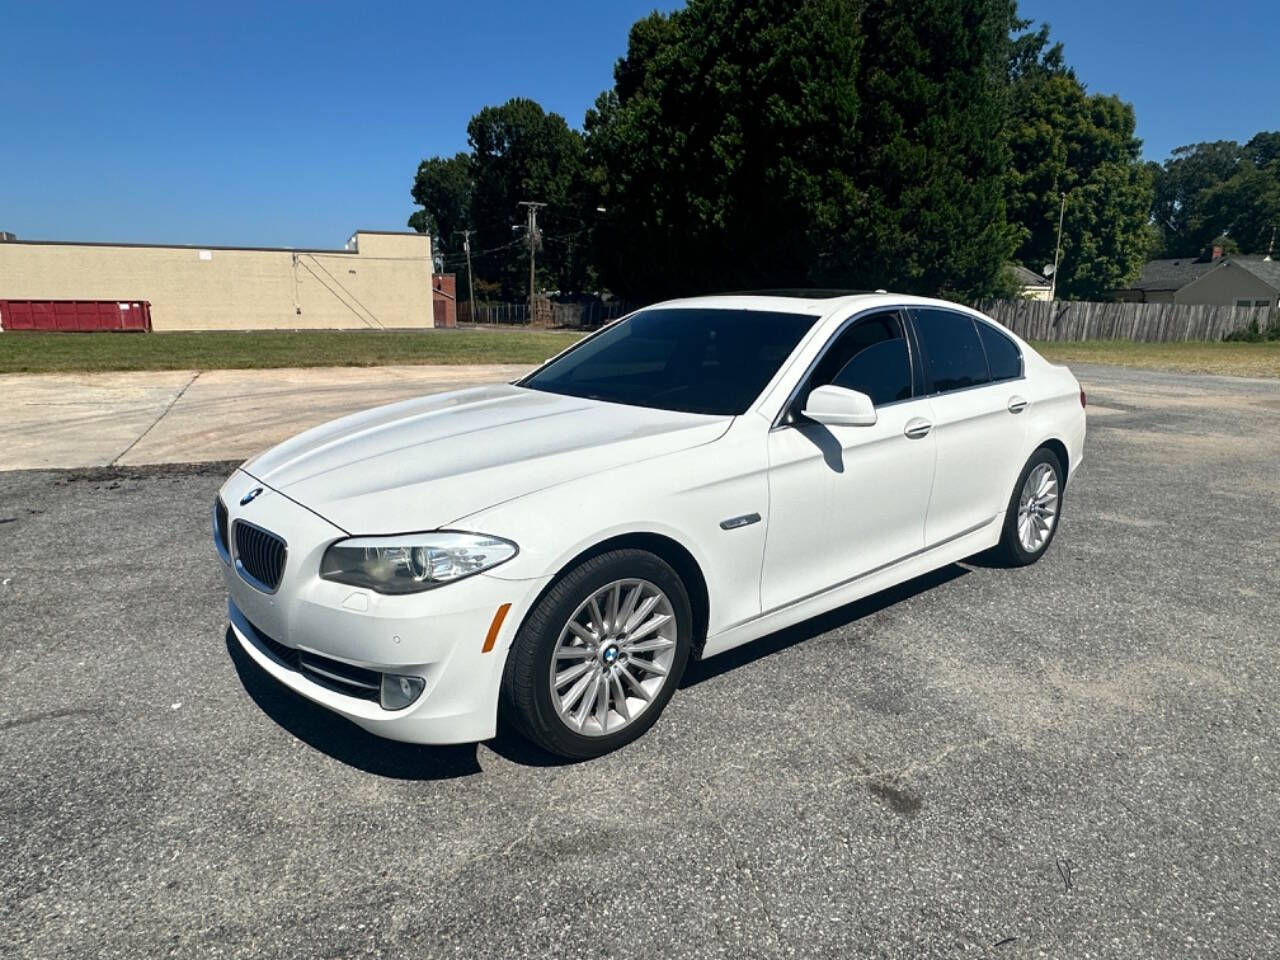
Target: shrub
(1256,333)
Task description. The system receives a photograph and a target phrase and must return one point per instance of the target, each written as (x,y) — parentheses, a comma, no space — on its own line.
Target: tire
(631,670)
(1013,550)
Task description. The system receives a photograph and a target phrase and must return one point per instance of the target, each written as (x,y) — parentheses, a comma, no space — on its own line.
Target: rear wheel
(1035,508)
(600,655)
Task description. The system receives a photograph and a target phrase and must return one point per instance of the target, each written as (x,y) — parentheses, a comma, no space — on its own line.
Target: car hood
(423,463)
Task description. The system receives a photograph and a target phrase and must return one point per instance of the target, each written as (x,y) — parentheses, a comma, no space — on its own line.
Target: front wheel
(1034,511)
(600,655)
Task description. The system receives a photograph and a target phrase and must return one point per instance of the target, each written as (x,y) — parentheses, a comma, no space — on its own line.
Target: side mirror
(840,407)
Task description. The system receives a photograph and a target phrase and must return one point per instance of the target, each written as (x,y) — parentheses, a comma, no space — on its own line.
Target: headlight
(413,562)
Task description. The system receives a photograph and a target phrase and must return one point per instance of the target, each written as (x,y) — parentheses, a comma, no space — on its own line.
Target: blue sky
(281,124)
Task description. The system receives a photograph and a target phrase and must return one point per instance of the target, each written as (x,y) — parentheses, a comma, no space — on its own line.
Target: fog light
(400,691)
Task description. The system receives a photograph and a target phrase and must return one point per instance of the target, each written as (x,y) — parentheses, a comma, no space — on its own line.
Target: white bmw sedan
(690,478)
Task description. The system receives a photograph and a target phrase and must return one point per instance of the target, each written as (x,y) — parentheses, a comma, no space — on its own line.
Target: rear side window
(1003,356)
(953,353)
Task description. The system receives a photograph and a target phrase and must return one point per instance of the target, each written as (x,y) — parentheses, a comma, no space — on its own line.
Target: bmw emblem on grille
(249,497)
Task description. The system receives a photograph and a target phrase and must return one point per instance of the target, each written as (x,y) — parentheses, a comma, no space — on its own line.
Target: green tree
(443,188)
(1180,186)
(724,150)
(520,152)
(932,149)
(1067,141)
(1245,207)
(784,142)
(1208,193)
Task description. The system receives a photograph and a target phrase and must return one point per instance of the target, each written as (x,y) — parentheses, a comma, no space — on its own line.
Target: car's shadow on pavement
(700,670)
(344,741)
(349,744)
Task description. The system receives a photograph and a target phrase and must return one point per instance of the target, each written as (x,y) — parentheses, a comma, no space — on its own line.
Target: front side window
(953,352)
(871,357)
(692,361)
(1004,359)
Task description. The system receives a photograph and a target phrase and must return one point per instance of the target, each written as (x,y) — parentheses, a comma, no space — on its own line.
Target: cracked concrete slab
(185,416)
(80,419)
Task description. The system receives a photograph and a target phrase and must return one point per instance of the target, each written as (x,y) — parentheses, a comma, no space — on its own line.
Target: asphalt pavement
(1077,759)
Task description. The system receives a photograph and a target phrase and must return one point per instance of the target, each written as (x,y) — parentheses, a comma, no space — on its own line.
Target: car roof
(813,302)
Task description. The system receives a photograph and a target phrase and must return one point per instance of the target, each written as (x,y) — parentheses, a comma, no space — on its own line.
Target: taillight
(1082,399)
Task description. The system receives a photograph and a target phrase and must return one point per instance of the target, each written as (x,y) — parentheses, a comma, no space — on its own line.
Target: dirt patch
(158,471)
(897,798)
(1029,706)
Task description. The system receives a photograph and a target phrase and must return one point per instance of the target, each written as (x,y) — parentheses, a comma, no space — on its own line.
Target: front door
(844,501)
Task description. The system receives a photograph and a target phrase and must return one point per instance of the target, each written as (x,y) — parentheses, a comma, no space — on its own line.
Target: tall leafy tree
(1246,207)
(1180,187)
(932,149)
(521,152)
(785,142)
(726,147)
(1220,192)
(518,152)
(443,188)
(1067,141)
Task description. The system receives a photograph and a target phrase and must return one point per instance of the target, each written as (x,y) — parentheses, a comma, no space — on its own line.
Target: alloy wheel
(1038,508)
(613,657)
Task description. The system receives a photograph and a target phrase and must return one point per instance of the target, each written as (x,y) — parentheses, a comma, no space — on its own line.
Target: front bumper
(438,635)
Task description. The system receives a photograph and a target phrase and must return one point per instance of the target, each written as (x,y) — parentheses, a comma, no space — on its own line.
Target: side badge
(746,520)
(251,496)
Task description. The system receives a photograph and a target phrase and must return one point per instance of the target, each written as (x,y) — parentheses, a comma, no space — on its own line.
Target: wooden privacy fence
(1148,322)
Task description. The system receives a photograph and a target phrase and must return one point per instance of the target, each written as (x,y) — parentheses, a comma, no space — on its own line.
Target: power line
(471,290)
(476,254)
(533,207)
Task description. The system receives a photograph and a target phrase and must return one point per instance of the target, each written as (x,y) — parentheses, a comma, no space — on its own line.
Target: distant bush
(1255,332)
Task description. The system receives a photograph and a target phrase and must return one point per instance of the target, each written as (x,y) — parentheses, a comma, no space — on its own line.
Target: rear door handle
(917,428)
(1017,404)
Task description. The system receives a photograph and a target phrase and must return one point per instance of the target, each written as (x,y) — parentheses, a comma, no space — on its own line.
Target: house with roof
(1228,281)
(1031,286)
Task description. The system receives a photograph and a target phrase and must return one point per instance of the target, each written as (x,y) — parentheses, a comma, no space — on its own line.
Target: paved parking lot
(1078,759)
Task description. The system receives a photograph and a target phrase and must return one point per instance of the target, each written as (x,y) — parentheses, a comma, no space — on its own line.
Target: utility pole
(533,207)
(1057,251)
(471,290)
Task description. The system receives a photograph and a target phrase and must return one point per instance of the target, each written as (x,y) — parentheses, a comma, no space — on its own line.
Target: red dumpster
(78,316)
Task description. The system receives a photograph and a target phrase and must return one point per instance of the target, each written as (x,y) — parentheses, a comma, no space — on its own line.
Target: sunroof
(798,293)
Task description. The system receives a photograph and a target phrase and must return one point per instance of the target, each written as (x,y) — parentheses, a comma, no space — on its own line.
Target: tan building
(380,280)
(1227,281)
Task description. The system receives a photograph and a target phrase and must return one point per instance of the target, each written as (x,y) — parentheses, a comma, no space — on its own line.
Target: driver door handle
(917,428)
(1017,404)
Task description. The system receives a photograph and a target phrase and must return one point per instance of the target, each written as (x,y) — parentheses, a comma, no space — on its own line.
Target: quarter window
(1004,359)
(952,351)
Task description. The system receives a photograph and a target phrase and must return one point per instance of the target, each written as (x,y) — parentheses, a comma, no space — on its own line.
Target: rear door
(978,425)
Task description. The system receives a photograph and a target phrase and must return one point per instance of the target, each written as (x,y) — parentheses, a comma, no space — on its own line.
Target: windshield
(692,361)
